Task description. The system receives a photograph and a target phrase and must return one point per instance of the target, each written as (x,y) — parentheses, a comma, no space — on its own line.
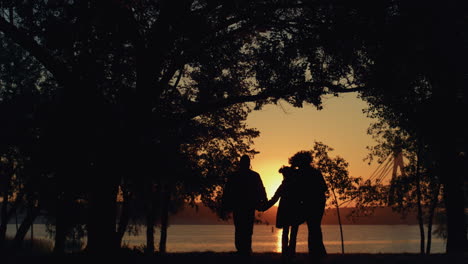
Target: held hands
(262,206)
(265,205)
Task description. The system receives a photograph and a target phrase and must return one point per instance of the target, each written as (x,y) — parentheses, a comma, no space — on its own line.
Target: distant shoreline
(204,216)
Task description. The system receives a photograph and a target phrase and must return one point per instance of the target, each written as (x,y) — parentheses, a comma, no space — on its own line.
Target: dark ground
(231,258)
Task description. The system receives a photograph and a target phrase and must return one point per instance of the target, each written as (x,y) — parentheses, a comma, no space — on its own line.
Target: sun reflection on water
(278,233)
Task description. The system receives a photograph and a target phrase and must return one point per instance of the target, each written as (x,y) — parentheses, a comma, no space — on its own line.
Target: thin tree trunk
(150,219)
(26,225)
(339,221)
(4,217)
(9,215)
(32,235)
(124,217)
(16,221)
(5,214)
(435,201)
(420,212)
(150,230)
(164,218)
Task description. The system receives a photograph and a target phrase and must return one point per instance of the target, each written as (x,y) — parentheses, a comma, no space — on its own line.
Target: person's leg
(244,221)
(315,239)
(285,241)
(292,240)
(250,219)
(238,230)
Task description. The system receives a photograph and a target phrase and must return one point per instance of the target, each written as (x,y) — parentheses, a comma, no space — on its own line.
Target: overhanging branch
(339,89)
(199,109)
(51,63)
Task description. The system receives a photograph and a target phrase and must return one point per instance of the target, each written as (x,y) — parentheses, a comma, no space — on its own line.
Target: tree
(23,90)
(417,83)
(196,169)
(417,187)
(408,58)
(342,186)
(127,67)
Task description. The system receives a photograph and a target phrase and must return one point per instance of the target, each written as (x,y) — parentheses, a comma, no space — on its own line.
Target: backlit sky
(285,130)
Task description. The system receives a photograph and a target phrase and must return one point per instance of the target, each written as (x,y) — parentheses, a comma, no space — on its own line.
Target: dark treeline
(144,102)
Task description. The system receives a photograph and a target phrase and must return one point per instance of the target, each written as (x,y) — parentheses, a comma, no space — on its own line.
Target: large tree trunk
(446,138)
(452,169)
(454,205)
(449,99)
(60,236)
(456,221)
(4,217)
(151,205)
(61,225)
(102,219)
(150,233)
(150,228)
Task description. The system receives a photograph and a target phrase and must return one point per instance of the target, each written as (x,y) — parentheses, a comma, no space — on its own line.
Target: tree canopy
(129,81)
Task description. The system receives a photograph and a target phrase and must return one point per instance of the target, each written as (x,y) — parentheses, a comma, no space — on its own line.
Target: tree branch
(161,40)
(51,63)
(340,89)
(199,108)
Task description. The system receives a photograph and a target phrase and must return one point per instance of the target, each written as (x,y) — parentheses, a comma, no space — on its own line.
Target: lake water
(220,238)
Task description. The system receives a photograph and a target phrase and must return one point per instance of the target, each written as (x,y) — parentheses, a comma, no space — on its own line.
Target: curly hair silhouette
(301,159)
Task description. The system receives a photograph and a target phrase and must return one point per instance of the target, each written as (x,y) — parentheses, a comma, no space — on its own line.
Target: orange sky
(284,130)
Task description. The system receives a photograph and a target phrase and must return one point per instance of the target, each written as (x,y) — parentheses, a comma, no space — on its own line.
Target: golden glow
(285,130)
(270,176)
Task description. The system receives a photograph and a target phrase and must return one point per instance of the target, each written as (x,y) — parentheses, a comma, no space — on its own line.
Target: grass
(37,247)
(133,257)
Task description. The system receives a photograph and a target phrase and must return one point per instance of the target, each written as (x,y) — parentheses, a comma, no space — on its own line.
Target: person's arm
(323,184)
(262,197)
(274,199)
(227,195)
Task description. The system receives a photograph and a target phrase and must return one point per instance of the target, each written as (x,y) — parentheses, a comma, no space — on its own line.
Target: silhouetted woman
(243,194)
(289,214)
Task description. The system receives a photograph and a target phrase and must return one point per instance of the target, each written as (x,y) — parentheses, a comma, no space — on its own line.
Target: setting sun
(285,130)
(270,176)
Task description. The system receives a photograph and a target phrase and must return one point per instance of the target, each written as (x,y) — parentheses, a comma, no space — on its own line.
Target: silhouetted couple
(302,199)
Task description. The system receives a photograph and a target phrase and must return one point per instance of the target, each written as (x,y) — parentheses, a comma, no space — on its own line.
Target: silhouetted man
(244,192)
(314,189)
